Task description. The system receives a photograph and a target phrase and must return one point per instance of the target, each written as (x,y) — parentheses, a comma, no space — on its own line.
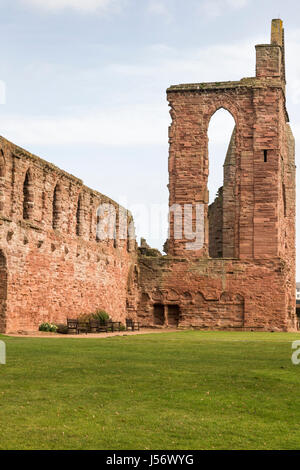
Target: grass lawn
(183,390)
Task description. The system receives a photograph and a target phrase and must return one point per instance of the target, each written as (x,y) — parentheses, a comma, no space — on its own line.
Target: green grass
(185,390)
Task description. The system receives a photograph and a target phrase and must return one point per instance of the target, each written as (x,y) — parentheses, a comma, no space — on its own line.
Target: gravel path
(42,334)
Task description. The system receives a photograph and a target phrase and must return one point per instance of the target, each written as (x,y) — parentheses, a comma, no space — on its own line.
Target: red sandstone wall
(56,273)
(215,219)
(256,181)
(191,110)
(256,287)
(53,267)
(230,202)
(222,213)
(215,293)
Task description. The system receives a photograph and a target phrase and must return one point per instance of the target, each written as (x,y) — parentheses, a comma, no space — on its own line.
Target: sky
(85,82)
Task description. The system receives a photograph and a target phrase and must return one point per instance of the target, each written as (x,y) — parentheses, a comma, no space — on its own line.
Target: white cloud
(292,52)
(214,8)
(2,92)
(125,126)
(237,3)
(143,118)
(78,5)
(169,66)
(158,8)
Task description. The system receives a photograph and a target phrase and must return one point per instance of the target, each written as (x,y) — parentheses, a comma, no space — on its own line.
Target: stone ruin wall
(52,267)
(214,293)
(221,213)
(215,218)
(243,275)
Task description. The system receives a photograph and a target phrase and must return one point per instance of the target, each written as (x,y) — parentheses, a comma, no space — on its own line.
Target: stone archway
(173,315)
(57,209)
(3,291)
(158,314)
(221,184)
(28,196)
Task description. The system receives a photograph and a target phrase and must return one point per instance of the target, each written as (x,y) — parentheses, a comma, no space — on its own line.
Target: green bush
(100,315)
(48,327)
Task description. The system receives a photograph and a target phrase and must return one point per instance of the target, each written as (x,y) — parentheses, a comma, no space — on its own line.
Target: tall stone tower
(263,190)
(231,264)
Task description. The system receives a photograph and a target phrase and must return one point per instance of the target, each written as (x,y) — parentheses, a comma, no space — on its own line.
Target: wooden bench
(72,325)
(103,326)
(116,325)
(131,324)
(109,325)
(94,325)
(83,327)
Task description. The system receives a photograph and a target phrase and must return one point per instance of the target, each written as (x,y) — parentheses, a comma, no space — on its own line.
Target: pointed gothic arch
(79,216)
(2,165)
(57,207)
(28,196)
(222,183)
(3,291)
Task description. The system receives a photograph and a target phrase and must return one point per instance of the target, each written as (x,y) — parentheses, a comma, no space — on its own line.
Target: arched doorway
(173,315)
(158,314)
(3,291)
(221,184)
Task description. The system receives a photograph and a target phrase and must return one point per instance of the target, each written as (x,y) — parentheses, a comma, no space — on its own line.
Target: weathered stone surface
(251,225)
(51,265)
(215,223)
(216,293)
(240,274)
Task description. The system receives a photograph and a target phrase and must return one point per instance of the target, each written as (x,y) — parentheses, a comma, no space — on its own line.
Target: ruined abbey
(234,268)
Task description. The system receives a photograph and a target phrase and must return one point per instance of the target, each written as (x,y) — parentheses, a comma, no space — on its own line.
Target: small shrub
(101,315)
(48,327)
(122,327)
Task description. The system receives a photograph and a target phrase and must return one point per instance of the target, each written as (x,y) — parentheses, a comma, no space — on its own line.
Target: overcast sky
(86,79)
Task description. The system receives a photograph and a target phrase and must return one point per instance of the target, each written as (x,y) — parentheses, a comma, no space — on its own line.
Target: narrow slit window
(2,165)
(284,199)
(265,156)
(55,208)
(78,217)
(27,197)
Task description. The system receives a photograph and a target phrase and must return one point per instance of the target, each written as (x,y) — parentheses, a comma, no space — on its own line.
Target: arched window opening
(2,164)
(158,314)
(27,197)
(115,242)
(56,207)
(130,236)
(98,227)
(79,216)
(3,291)
(284,199)
(221,184)
(106,222)
(173,315)
(2,180)
(91,219)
